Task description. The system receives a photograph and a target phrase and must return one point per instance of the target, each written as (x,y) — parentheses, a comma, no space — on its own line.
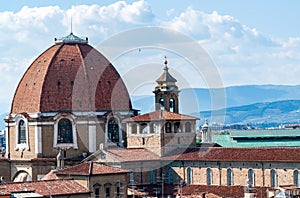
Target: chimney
(60,160)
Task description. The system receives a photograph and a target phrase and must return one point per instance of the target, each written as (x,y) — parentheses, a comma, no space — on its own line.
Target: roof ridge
(91,168)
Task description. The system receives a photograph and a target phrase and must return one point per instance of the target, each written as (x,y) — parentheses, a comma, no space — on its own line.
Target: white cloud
(107,20)
(243,54)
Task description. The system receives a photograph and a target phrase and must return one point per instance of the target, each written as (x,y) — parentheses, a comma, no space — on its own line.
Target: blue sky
(273,17)
(250,42)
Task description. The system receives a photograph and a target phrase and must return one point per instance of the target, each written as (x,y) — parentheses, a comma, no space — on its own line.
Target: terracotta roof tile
(46,188)
(236,154)
(70,77)
(221,191)
(91,168)
(51,175)
(160,115)
(128,154)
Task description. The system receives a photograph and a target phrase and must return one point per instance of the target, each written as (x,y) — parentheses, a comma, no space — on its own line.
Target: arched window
(188,127)
(296,178)
(144,128)
(113,130)
(22,132)
(65,133)
(229,177)
(189,175)
(273,178)
(168,127)
(177,128)
(97,190)
(152,177)
(22,176)
(107,190)
(172,105)
(118,186)
(251,176)
(170,175)
(134,129)
(209,176)
(161,104)
(154,128)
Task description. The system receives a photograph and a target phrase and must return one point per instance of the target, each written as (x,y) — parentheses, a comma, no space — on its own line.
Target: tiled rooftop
(46,188)
(160,115)
(124,154)
(91,168)
(237,154)
(70,77)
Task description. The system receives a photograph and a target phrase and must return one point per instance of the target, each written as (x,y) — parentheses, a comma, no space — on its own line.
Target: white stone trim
(89,122)
(40,123)
(7,141)
(22,146)
(38,139)
(92,138)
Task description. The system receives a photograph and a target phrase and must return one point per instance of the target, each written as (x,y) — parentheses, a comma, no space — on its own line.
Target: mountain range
(244,104)
(249,104)
(266,114)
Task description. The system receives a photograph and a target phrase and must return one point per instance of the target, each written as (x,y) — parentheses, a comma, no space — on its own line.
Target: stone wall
(240,171)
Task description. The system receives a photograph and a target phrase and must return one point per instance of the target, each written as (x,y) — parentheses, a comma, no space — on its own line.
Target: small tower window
(177,128)
(144,128)
(172,105)
(168,127)
(65,133)
(154,128)
(162,104)
(134,129)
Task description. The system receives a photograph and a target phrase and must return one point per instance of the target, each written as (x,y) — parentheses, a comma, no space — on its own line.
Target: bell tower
(166,91)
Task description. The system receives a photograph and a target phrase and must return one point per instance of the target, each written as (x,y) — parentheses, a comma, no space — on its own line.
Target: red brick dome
(70,76)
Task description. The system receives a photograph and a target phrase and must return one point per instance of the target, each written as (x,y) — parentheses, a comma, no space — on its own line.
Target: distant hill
(234,96)
(276,113)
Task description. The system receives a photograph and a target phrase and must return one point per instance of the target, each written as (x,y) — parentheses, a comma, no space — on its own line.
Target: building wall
(176,140)
(151,142)
(161,143)
(19,153)
(240,170)
(5,169)
(91,182)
